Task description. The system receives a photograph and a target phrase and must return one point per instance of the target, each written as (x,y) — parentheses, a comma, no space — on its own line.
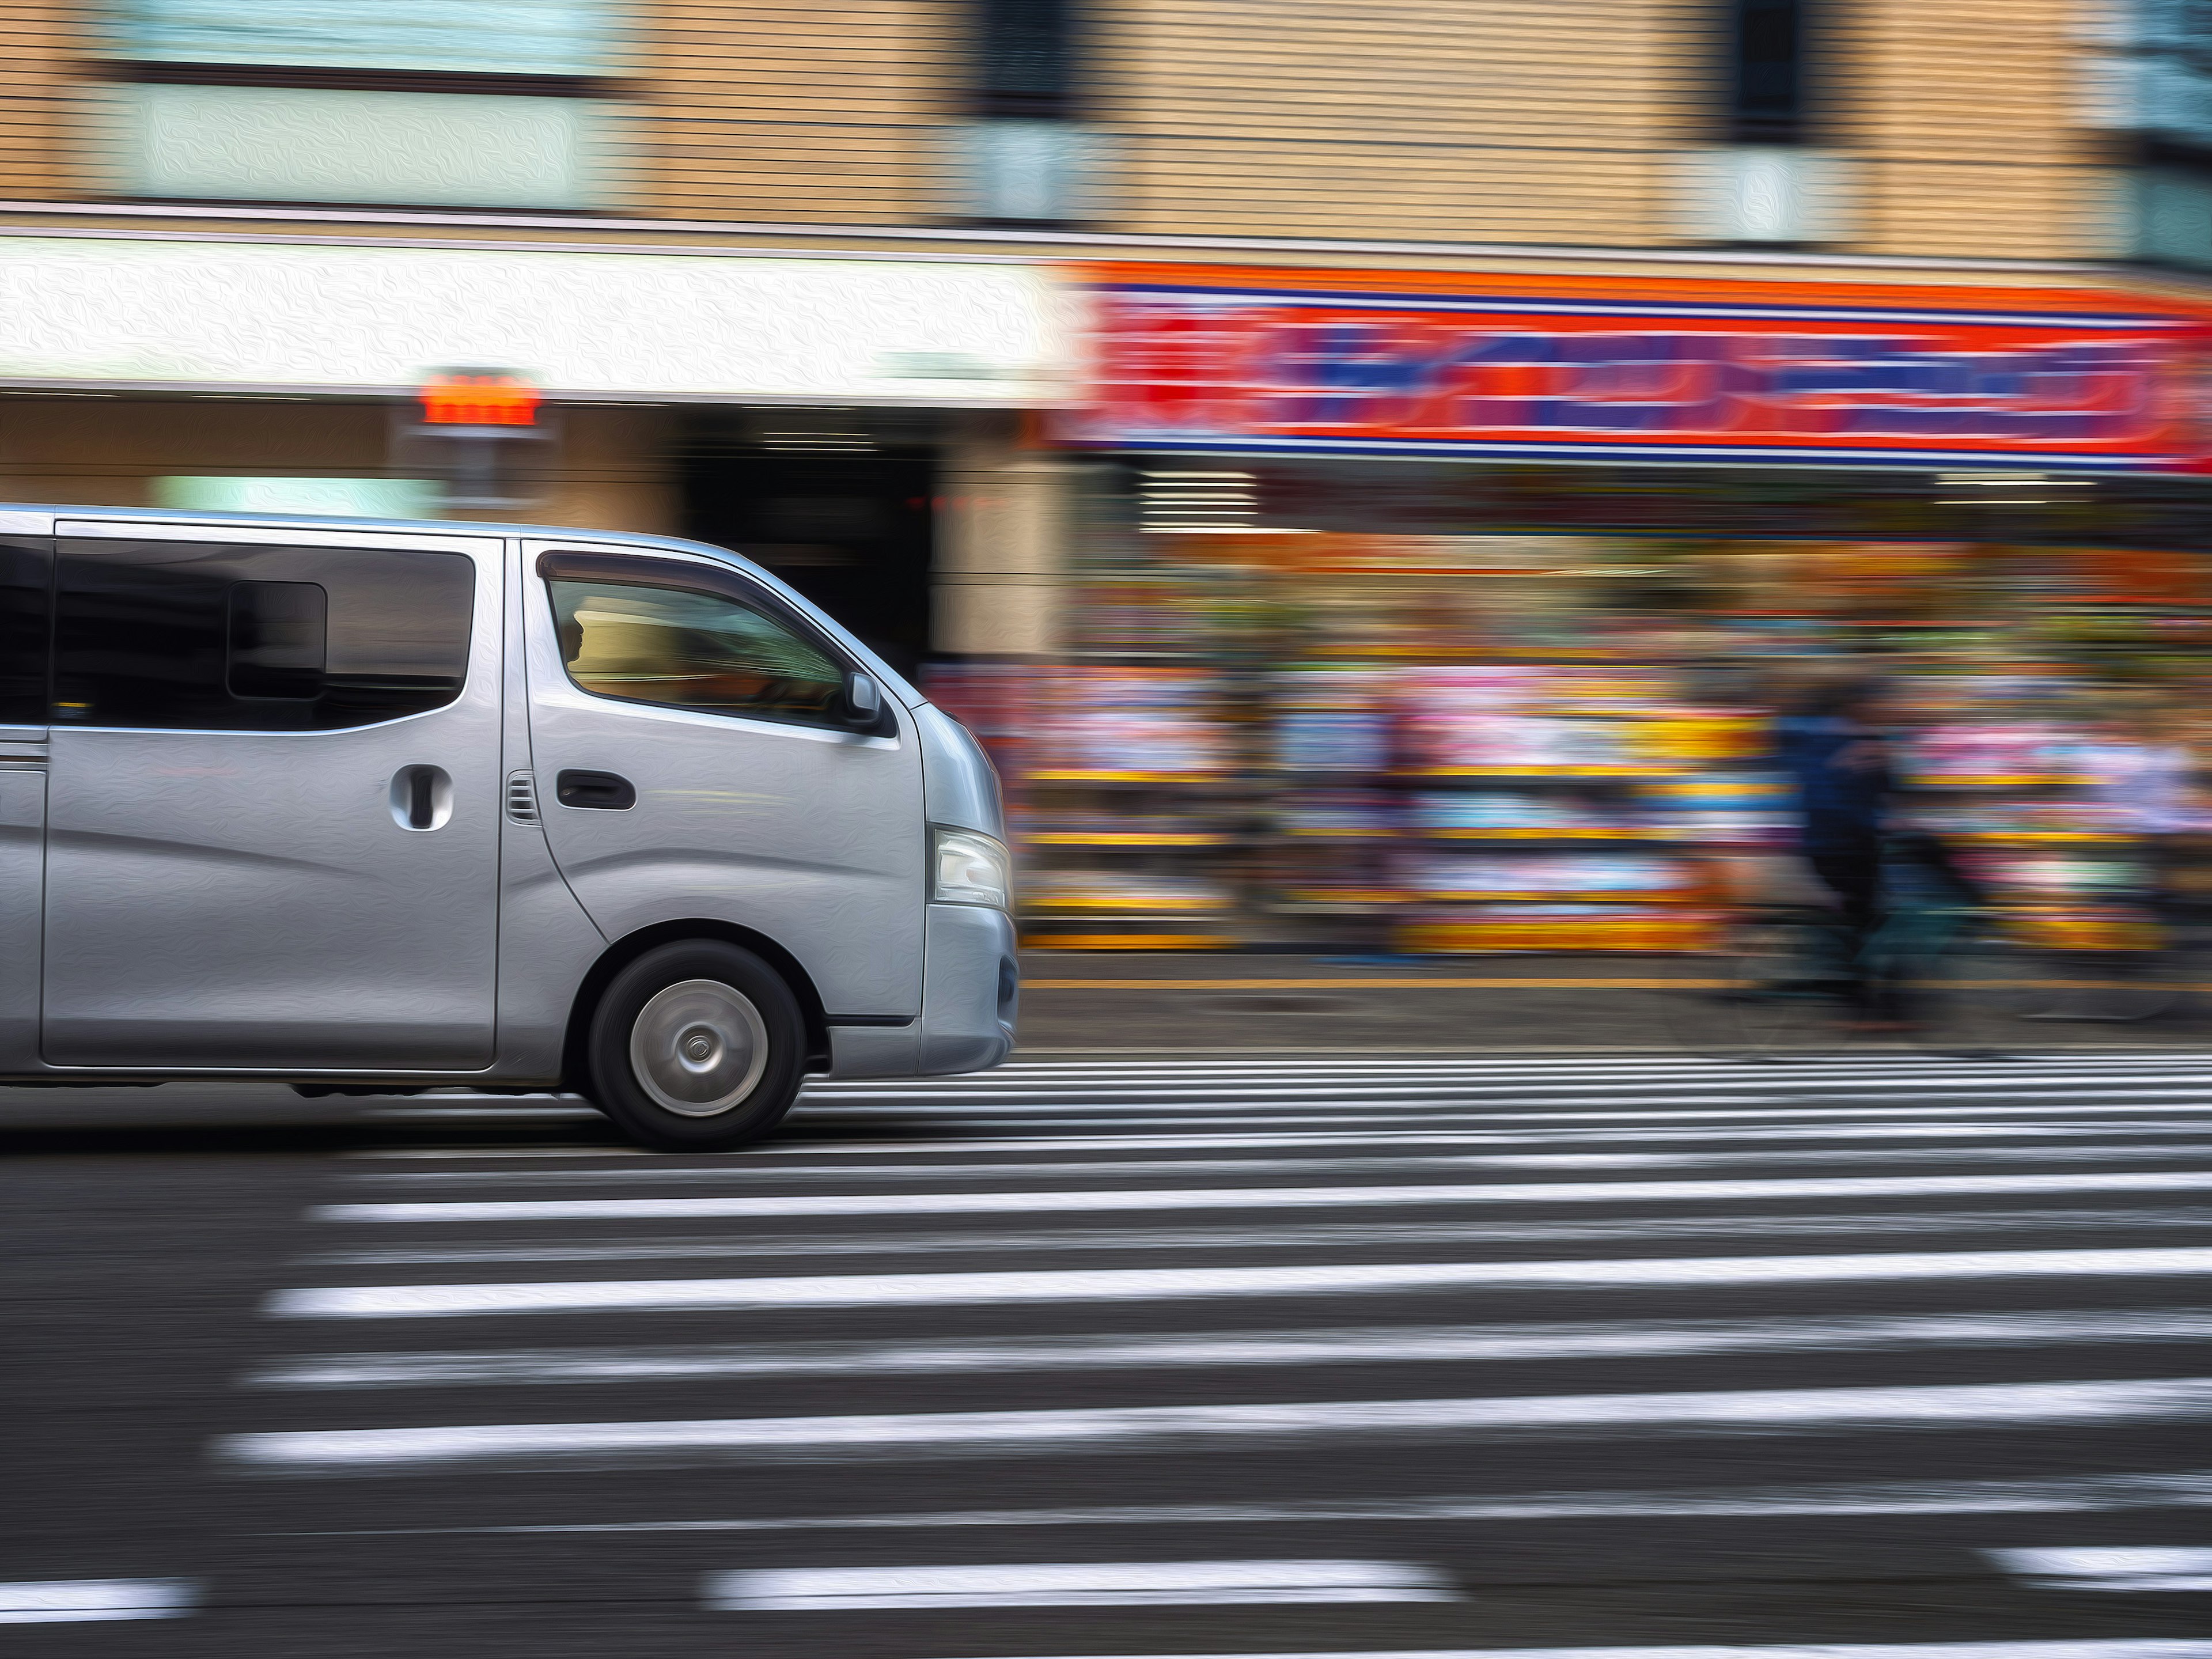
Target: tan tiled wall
(1520,120)
(1546,121)
(1965,118)
(814,113)
(38,139)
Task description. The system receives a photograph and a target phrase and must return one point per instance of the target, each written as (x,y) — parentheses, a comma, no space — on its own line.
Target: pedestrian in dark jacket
(1836,753)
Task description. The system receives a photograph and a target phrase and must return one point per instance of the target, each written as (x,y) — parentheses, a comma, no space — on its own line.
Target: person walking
(1836,750)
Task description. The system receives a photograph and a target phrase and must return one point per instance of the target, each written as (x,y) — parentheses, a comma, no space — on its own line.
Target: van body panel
(546,944)
(810,836)
(253,900)
(22,865)
(962,785)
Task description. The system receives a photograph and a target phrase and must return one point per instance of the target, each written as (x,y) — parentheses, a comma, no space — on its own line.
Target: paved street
(1113,1355)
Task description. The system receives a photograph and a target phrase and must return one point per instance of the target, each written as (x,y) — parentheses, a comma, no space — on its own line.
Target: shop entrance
(847,523)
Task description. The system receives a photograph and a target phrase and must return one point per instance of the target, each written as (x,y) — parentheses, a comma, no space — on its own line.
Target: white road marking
(1387,1345)
(1173,1284)
(1618,1159)
(2075,1495)
(2123,1647)
(1193,1127)
(1986,1406)
(1366,1086)
(777,1161)
(2123,1568)
(755,1248)
(784,1206)
(1072,1584)
(94,1601)
(1552,1071)
(2069,1149)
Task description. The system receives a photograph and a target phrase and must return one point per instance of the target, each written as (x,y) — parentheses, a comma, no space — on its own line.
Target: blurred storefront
(1438,613)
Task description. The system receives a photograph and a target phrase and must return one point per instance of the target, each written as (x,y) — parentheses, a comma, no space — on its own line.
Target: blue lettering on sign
(1426,374)
(1339,374)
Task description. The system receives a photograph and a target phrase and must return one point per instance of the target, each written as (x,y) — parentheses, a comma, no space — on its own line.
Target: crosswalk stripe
(1550,1068)
(1986,1406)
(2126,1569)
(1388,1125)
(1168,1284)
(94,1601)
(1706,1090)
(786,1157)
(1404,1344)
(1126,1200)
(1448,1135)
(2121,1647)
(1074,1584)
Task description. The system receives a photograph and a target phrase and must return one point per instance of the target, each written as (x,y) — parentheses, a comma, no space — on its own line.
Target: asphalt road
(1230,1355)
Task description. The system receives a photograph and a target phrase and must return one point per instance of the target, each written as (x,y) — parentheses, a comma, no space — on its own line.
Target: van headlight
(968,868)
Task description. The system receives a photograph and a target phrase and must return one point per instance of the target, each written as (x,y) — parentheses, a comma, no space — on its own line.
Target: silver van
(366,805)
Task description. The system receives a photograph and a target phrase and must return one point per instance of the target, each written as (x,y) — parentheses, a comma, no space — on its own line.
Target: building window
(1026,158)
(2153,81)
(1025,58)
(1766,71)
(413,102)
(1762,183)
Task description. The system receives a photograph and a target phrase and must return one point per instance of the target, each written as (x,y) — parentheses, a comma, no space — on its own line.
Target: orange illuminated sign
(479,400)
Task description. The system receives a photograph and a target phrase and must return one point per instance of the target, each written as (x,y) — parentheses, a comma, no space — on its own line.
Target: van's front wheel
(696,1047)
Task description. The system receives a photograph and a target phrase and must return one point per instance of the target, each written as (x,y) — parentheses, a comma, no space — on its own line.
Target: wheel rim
(698,1048)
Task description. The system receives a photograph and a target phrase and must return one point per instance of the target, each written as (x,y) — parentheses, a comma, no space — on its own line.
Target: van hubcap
(698,1048)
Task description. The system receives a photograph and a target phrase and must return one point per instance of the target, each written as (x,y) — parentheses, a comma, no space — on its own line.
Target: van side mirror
(864,698)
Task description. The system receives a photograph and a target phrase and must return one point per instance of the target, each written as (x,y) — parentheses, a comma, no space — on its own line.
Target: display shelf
(1129,904)
(2030,837)
(1570,832)
(1640,934)
(1543,774)
(1996,781)
(1045,941)
(1086,774)
(1128,838)
(1555,895)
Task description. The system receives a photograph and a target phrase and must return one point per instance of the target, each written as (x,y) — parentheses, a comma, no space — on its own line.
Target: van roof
(11,512)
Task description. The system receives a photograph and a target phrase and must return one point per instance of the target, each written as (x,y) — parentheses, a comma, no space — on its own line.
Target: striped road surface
(1886,1357)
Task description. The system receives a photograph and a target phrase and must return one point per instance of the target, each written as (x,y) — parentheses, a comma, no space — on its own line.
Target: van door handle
(605,791)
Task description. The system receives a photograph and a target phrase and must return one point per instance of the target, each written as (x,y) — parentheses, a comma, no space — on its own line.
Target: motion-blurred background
(1371,468)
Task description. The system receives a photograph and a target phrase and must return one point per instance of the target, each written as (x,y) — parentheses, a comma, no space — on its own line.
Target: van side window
(228,637)
(685,648)
(26,579)
(278,640)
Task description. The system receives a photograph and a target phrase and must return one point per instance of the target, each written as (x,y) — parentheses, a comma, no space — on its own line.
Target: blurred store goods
(1526,742)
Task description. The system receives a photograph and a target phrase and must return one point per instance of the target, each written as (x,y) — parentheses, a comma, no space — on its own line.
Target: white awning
(631,323)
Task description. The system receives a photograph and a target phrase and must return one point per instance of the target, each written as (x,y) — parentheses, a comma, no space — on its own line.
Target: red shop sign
(1799,374)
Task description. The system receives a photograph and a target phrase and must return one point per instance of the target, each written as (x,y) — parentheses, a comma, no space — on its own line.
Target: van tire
(696,1047)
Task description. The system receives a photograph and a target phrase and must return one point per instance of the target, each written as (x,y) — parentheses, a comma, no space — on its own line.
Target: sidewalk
(1090,1001)
(1112,1000)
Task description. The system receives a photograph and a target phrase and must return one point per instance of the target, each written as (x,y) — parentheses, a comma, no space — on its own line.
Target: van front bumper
(971,985)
